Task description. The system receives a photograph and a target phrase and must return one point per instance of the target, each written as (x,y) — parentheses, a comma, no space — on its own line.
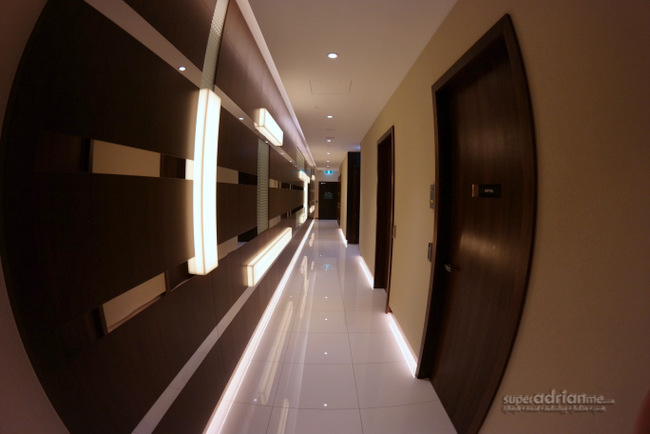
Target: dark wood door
(486,210)
(328,200)
(385,201)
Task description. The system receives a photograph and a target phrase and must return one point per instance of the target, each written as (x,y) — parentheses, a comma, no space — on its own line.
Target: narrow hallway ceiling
(377,42)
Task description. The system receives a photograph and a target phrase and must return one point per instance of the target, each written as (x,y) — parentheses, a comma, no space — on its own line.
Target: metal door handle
(450,267)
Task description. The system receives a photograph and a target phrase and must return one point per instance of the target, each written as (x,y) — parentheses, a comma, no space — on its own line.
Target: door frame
(501,32)
(385,207)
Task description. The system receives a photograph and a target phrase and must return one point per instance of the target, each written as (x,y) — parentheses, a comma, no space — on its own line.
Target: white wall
(586,322)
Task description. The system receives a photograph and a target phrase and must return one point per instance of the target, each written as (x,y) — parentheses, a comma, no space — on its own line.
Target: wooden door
(385,203)
(328,200)
(485,225)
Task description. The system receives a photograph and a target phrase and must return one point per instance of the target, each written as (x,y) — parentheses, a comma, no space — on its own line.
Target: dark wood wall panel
(282,170)
(73,240)
(135,363)
(243,75)
(92,237)
(85,76)
(282,201)
(236,209)
(185,24)
(237,145)
(196,402)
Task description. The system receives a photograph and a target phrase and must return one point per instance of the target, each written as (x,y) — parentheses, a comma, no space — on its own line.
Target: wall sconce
(203,170)
(259,265)
(266,125)
(304,177)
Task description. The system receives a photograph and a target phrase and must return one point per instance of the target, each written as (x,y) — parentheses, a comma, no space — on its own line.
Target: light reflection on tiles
(328,361)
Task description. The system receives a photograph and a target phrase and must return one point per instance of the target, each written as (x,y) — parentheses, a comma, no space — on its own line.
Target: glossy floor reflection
(328,362)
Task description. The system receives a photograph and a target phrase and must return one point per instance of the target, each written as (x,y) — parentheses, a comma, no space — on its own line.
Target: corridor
(327,361)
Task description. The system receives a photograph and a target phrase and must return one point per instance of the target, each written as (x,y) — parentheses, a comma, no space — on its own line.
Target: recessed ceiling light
(241,119)
(328,153)
(329,140)
(329,116)
(181,68)
(332,55)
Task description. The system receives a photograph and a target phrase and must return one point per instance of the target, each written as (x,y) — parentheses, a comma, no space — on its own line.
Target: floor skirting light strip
(155,414)
(220,413)
(345,241)
(409,358)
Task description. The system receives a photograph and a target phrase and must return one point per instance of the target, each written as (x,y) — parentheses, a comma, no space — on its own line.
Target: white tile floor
(328,362)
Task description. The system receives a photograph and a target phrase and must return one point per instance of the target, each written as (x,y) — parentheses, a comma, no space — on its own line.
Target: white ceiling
(377,42)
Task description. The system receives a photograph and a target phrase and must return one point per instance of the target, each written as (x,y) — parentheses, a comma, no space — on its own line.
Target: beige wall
(586,323)
(24,407)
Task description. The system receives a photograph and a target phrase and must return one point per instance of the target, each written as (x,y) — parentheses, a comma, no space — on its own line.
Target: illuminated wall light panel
(304,177)
(266,125)
(260,264)
(204,174)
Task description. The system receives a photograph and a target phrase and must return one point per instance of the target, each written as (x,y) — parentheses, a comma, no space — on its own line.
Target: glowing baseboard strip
(366,272)
(218,418)
(259,265)
(404,347)
(204,174)
(345,241)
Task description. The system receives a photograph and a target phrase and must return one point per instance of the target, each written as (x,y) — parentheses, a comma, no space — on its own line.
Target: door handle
(450,267)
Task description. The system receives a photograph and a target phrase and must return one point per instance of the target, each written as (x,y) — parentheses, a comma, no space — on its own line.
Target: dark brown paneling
(72,240)
(91,237)
(82,75)
(195,404)
(282,170)
(62,153)
(172,167)
(193,407)
(237,145)
(243,75)
(282,201)
(236,209)
(117,380)
(185,24)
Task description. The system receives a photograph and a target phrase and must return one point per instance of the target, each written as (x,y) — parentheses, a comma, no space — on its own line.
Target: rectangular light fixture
(266,125)
(259,265)
(304,177)
(204,174)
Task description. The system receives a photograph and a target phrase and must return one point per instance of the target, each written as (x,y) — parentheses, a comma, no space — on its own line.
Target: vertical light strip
(262,186)
(214,42)
(205,183)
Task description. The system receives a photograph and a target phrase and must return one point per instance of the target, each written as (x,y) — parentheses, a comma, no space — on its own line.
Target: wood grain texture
(483,244)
